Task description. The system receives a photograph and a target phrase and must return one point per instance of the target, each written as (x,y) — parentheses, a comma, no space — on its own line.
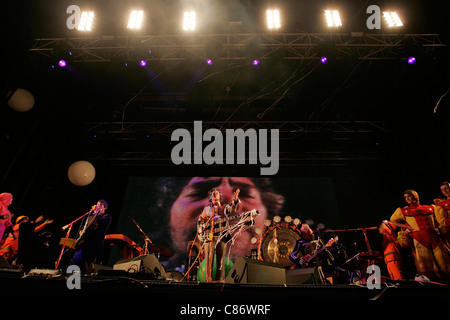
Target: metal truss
(290,46)
(302,143)
(340,130)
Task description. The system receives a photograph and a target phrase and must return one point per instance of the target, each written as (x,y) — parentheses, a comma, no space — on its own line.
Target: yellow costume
(430,255)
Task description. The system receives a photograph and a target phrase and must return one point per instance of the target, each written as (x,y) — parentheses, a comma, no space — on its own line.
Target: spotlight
(143,63)
(273,19)
(62,63)
(392,19)
(189,21)
(333,18)
(86,21)
(209,62)
(411,60)
(323,59)
(135,20)
(255,62)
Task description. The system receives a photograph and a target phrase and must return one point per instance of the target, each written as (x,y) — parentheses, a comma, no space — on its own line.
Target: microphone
(65,227)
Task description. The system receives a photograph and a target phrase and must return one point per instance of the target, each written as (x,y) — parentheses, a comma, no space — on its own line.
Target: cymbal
(160,250)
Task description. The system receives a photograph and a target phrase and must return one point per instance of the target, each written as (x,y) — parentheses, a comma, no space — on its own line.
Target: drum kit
(279,240)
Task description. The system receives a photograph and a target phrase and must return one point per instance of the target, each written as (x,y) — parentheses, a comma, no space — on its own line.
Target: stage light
(333,18)
(273,19)
(411,60)
(255,62)
(392,19)
(86,21)
(62,63)
(135,20)
(276,219)
(143,63)
(296,221)
(189,20)
(323,59)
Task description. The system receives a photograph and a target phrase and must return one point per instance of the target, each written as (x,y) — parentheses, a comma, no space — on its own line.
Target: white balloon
(21,100)
(81,173)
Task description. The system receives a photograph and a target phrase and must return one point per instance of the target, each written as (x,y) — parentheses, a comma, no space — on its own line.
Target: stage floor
(134,287)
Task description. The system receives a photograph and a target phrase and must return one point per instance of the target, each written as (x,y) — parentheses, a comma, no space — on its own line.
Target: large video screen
(166,210)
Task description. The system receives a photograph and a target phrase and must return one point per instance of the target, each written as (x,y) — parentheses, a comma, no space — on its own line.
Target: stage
(112,285)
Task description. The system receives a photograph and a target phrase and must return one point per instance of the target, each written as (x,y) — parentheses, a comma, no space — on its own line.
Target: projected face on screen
(193,198)
(168,208)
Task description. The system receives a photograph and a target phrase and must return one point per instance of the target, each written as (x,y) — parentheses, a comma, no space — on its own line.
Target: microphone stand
(147,239)
(69,226)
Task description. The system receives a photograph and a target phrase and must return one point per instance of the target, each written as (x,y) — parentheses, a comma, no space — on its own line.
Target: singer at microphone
(88,213)
(90,248)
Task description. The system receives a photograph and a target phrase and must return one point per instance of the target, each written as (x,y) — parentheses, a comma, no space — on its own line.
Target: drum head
(278,243)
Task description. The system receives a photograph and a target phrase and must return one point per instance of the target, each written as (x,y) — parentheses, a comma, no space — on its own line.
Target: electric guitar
(307,258)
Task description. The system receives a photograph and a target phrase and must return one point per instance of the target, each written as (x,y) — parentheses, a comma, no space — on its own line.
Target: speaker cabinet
(147,263)
(305,276)
(247,270)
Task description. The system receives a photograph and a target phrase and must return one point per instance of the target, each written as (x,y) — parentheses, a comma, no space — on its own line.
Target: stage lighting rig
(392,19)
(86,21)
(333,18)
(189,20)
(135,19)
(273,19)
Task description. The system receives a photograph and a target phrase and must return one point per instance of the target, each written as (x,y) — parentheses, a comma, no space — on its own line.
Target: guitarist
(306,246)
(216,210)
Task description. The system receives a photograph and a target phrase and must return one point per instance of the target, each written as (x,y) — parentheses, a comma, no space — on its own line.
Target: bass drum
(277,244)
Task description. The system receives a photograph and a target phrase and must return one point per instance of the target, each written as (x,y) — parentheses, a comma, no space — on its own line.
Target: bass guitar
(303,262)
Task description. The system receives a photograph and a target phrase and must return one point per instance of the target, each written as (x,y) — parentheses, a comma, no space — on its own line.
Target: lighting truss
(343,134)
(290,46)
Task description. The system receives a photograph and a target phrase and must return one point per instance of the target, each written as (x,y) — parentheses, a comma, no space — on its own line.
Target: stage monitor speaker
(247,270)
(147,263)
(305,276)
